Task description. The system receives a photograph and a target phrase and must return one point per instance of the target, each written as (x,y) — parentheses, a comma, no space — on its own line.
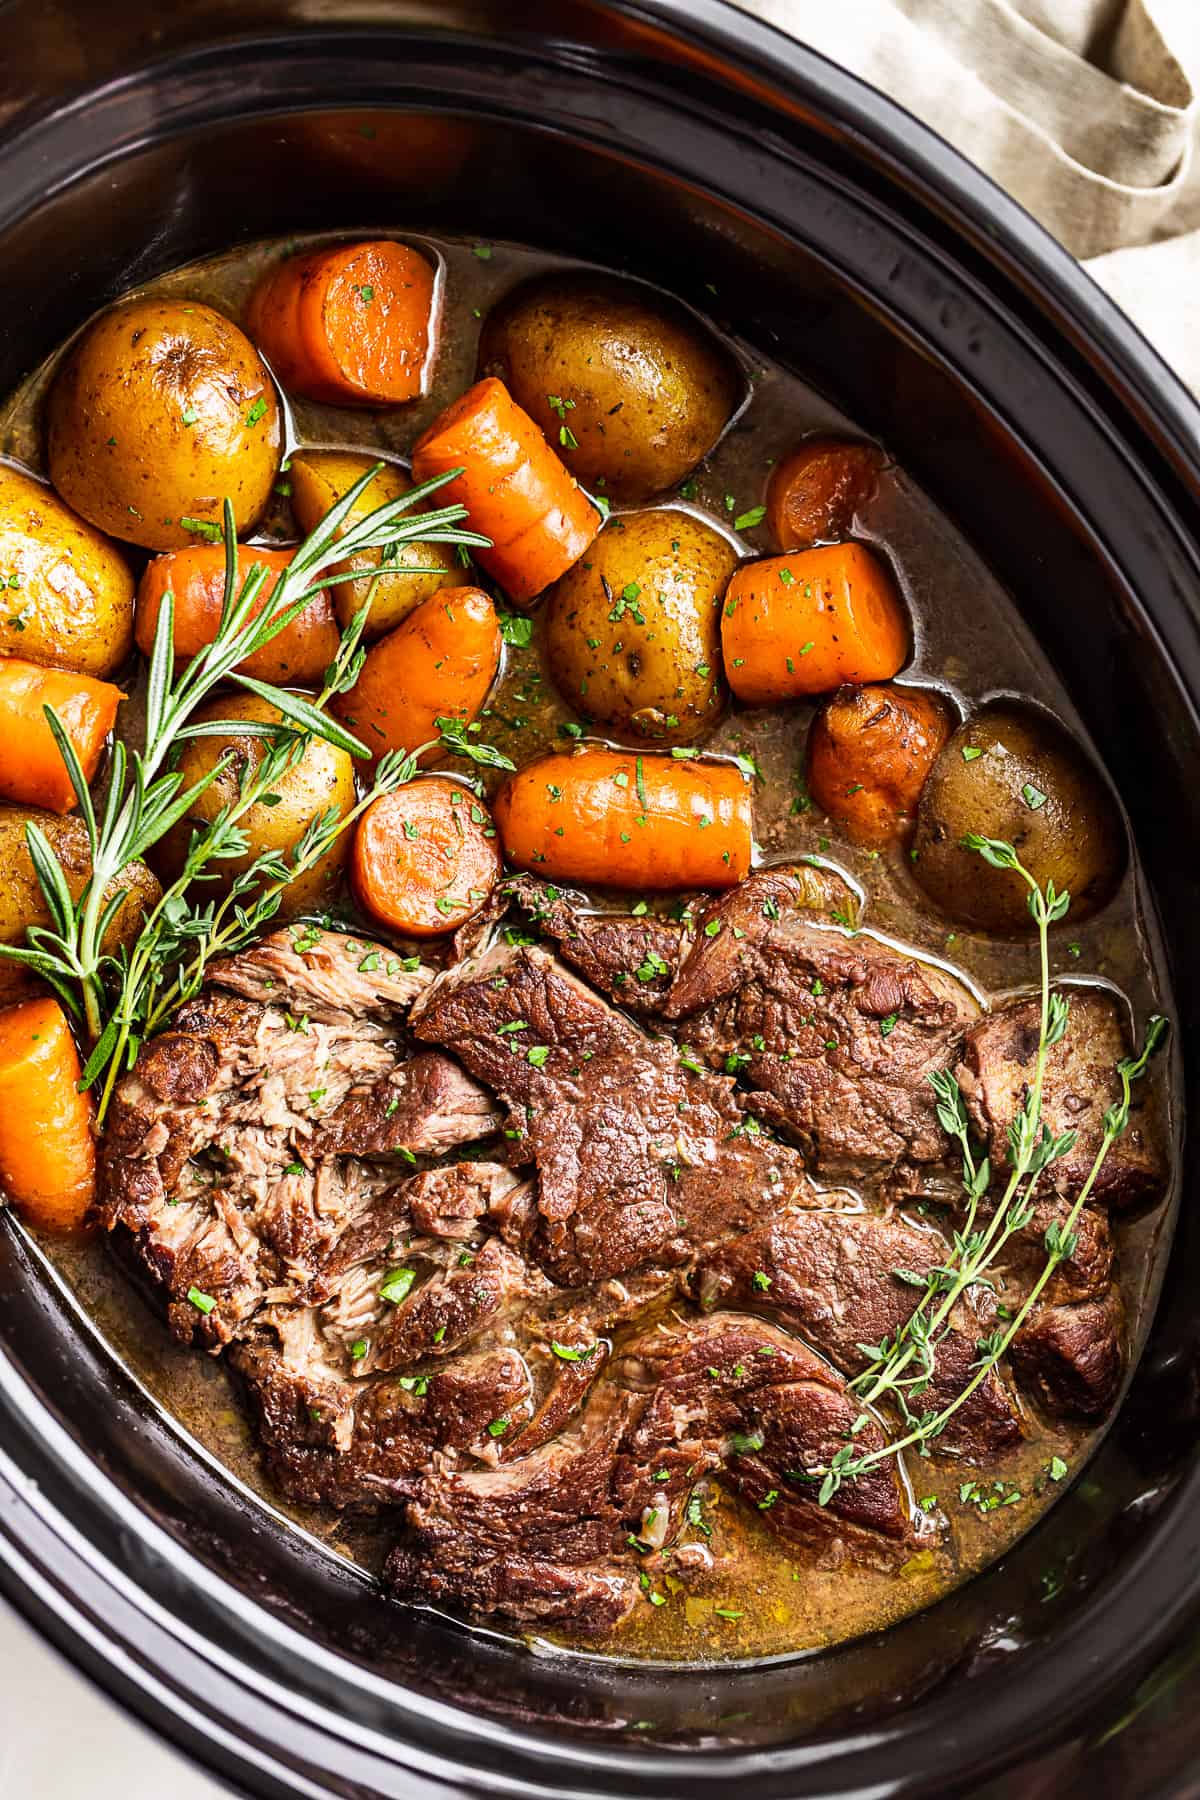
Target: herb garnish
(890,1376)
(121,999)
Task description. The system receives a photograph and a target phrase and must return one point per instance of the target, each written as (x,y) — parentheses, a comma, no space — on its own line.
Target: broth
(760,1598)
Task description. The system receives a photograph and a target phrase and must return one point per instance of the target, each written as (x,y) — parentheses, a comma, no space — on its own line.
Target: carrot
(814,493)
(353,325)
(439,663)
(623,820)
(302,651)
(32,769)
(870,750)
(805,623)
(47,1150)
(424,858)
(515,489)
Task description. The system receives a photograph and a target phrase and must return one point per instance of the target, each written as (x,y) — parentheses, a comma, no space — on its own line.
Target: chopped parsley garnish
(202,1302)
(397,1285)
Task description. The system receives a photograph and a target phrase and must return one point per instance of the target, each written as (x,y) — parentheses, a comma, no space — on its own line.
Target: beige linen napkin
(1087,111)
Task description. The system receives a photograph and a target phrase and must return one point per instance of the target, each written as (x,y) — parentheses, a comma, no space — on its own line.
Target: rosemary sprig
(899,1371)
(116,997)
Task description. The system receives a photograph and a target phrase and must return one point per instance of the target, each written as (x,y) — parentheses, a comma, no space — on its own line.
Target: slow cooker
(688,143)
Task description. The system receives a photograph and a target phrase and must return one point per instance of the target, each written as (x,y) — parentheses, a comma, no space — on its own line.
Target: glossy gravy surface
(758,1599)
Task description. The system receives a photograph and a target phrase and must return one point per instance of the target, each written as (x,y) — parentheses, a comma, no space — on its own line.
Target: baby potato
(630,387)
(162,410)
(633,632)
(870,750)
(321,477)
(323,778)
(1014,773)
(21,900)
(66,591)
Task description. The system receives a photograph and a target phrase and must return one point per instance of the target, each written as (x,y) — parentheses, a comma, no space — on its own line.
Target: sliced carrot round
(352,325)
(425,858)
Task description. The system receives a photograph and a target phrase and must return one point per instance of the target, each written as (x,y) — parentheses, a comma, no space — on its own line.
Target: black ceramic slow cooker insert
(683,141)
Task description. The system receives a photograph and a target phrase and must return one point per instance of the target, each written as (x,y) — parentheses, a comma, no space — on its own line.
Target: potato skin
(632,633)
(870,750)
(21,900)
(319,478)
(324,777)
(66,591)
(1074,837)
(650,391)
(121,448)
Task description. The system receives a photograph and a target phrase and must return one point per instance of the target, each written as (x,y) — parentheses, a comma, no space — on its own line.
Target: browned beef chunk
(1070,1356)
(733,1394)
(632,959)
(359,1445)
(1080,1084)
(425,1106)
(217,1166)
(639,1156)
(838,1279)
(537,1540)
(837,1033)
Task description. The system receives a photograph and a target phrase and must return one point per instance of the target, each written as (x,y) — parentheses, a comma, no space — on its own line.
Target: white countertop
(61,1739)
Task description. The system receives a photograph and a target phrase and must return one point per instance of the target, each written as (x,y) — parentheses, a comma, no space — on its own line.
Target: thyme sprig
(899,1371)
(118,998)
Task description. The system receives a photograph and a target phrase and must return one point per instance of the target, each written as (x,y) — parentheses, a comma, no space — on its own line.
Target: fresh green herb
(396,1285)
(748,520)
(258,409)
(971,752)
(1033,797)
(899,1370)
(119,1002)
(498,1427)
(202,1302)
(568,1355)
(515,629)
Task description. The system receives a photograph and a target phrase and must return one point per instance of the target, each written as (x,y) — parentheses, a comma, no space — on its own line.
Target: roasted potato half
(21,900)
(628,384)
(66,591)
(321,477)
(161,410)
(1012,772)
(323,778)
(632,633)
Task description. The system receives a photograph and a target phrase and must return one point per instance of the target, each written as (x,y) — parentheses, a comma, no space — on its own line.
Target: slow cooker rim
(1140,368)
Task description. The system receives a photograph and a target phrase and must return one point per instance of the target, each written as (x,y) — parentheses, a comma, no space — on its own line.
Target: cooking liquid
(758,1598)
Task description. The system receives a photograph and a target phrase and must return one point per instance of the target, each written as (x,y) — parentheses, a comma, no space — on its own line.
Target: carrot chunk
(300,653)
(425,858)
(32,769)
(47,1148)
(622,820)
(805,623)
(353,325)
(515,489)
(870,750)
(814,493)
(439,663)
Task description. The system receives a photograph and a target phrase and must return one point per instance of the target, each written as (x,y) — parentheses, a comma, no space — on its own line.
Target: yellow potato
(1012,772)
(321,477)
(21,900)
(633,631)
(323,778)
(625,382)
(162,410)
(66,591)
